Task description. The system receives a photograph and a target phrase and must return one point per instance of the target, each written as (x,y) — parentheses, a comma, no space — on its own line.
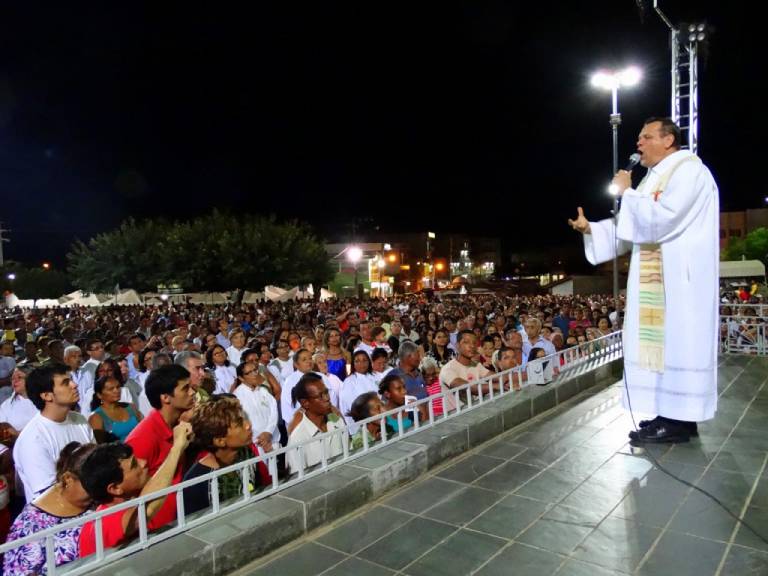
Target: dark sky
(471,116)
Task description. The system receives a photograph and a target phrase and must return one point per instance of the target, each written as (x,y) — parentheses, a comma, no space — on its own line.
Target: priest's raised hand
(581,224)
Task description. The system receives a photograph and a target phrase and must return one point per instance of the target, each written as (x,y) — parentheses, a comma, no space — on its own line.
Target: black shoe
(693,429)
(646,423)
(661,432)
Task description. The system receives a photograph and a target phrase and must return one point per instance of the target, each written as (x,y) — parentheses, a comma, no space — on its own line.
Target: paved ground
(566,495)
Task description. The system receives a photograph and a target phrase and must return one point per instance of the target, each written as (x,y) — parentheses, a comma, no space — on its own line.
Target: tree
(215,252)
(752,247)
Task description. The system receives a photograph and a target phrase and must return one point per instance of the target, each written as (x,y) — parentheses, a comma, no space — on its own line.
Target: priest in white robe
(670,224)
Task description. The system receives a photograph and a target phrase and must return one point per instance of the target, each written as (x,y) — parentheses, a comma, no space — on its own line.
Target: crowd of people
(99,406)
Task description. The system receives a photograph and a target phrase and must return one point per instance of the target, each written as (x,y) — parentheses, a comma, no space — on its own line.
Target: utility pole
(2,239)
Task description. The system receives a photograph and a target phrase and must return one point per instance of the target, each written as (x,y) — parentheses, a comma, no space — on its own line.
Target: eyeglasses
(324,395)
(220,353)
(250,372)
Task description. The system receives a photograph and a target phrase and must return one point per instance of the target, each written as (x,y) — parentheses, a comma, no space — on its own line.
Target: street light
(11,276)
(613,80)
(354,254)
(46,266)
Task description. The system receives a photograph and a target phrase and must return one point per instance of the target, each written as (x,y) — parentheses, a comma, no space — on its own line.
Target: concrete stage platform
(565,494)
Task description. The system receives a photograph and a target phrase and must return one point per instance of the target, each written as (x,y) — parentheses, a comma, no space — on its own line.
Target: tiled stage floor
(566,495)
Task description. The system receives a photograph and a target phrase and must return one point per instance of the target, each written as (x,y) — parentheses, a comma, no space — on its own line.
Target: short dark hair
(378,353)
(298,353)
(163,380)
(102,468)
(376,331)
(91,341)
(40,381)
(299,391)
(387,380)
(668,127)
(359,409)
(252,350)
(137,335)
(464,333)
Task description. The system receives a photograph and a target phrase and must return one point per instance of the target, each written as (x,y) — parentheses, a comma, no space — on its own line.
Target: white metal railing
(564,365)
(743,335)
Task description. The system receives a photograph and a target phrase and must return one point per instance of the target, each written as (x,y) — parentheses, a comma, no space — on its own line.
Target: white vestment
(684,220)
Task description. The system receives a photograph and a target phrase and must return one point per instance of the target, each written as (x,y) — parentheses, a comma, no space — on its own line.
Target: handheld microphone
(634,159)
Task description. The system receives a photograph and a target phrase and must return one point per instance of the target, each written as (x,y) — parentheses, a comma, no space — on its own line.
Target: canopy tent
(12,301)
(130,297)
(742,269)
(209,298)
(252,297)
(125,298)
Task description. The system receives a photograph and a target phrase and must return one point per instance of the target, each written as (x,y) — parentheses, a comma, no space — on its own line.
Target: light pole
(355,254)
(613,80)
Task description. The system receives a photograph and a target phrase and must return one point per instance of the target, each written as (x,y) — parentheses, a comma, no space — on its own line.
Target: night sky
(471,116)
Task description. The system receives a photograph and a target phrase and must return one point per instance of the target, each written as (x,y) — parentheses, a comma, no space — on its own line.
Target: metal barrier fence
(560,367)
(743,329)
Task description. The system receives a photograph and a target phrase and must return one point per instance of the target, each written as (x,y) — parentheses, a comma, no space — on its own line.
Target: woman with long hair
(335,355)
(439,350)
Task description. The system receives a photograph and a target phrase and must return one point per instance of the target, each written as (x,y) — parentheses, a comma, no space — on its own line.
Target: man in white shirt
(317,418)
(408,333)
(535,339)
(37,449)
(463,369)
(366,343)
(96,353)
(259,404)
(82,378)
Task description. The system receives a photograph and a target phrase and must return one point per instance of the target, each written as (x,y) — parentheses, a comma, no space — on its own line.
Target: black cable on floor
(655,462)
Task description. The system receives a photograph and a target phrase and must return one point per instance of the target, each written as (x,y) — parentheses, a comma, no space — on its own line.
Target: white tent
(79,298)
(209,298)
(125,298)
(11,301)
(252,297)
(89,300)
(742,269)
(273,293)
(71,297)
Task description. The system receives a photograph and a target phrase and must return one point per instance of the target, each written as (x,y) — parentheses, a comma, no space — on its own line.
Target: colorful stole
(651,293)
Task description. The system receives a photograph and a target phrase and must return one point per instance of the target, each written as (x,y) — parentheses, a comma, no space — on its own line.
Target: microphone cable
(655,463)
